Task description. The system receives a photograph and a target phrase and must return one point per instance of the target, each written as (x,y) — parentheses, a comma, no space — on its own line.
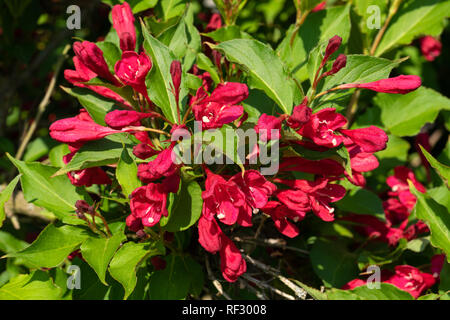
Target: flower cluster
(232,196)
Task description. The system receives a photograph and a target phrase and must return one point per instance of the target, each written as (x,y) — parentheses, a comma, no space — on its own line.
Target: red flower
(221,198)
(401,84)
(221,107)
(321,128)
(84,74)
(78,129)
(133,223)
(215,22)
(411,279)
(86,177)
(399,185)
(355,283)
(119,119)
(209,234)
(395,211)
(300,115)
(338,64)
(333,45)
(231,262)
(255,187)
(149,203)
(280,214)
(162,166)
(123,22)
(370,139)
(175,72)
(325,167)
(92,57)
(437,263)
(314,195)
(430,47)
(265,126)
(133,69)
(320,6)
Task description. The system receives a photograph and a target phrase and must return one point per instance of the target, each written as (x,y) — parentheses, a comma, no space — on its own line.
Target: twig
(275,243)
(42,105)
(264,285)
(299,292)
(214,280)
(259,294)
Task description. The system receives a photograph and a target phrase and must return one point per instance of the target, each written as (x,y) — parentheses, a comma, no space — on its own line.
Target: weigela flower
(333,45)
(133,223)
(232,263)
(209,234)
(221,106)
(84,74)
(149,203)
(395,211)
(320,6)
(411,279)
(338,64)
(175,72)
(86,177)
(321,128)
(437,263)
(221,198)
(311,195)
(80,128)
(119,119)
(123,22)
(280,215)
(400,85)
(430,47)
(300,115)
(324,167)
(265,126)
(92,57)
(162,166)
(215,22)
(370,139)
(133,69)
(399,186)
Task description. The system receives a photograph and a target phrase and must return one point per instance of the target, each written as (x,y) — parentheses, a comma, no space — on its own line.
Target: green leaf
(416,18)
(418,245)
(159,79)
(227,33)
(173,282)
(126,261)
(35,286)
(362,201)
(52,246)
(4,197)
(405,115)
(111,53)
(97,153)
(316,294)
(442,169)
(196,275)
(333,263)
(142,5)
(264,67)
(96,105)
(172,8)
(437,218)
(10,244)
(57,194)
(126,173)
(38,148)
(186,208)
(98,252)
(386,291)
(309,4)
(56,155)
(204,63)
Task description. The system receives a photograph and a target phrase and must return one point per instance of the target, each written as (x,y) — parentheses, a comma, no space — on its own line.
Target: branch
(264,285)
(214,280)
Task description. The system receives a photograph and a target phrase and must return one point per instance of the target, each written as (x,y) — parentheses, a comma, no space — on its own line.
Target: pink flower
(320,6)
(149,203)
(175,72)
(322,126)
(144,151)
(355,283)
(221,198)
(325,167)
(214,23)
(338,64)
(265,126)
(84,74)
(437,263)
(133,69)
(133,223)
(123,22)
(86,177)
(119,119)
(79,129)
(395,211)
(401,84)
(333,45)
(255,187)
(92,57)
(411,279)
(219,108)
(300,115)
(209,234)
(430,47)
(231,262)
